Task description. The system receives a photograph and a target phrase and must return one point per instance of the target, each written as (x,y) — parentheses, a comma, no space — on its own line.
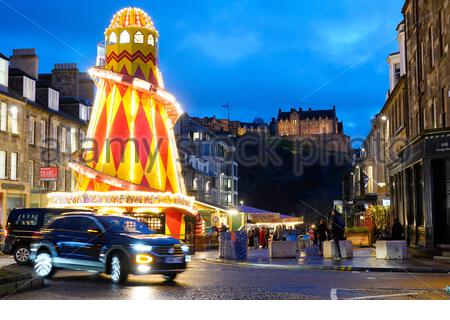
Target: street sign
(48,173)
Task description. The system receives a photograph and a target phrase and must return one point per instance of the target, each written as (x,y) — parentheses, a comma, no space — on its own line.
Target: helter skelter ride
(129,161)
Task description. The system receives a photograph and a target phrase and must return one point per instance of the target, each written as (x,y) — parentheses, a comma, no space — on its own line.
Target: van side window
(27,219)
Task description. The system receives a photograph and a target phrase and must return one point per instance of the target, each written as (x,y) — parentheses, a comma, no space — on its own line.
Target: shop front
(420,184)
(12,195)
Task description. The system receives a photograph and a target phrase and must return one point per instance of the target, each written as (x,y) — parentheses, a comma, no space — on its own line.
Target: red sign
(48,173)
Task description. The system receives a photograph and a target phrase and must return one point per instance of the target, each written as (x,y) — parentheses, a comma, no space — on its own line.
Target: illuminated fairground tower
(129,161)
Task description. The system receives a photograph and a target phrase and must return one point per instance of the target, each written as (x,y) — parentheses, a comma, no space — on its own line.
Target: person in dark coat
(256,238)
(250,238)
(337,230)
(323,234)
(397,230)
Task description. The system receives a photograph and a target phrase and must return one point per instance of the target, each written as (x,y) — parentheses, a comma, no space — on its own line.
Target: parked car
(113,244)
(19,229)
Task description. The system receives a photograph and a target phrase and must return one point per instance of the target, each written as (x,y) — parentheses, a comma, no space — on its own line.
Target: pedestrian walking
(267,237)
(323,234)
(250,238)
(256,238)
(337,230)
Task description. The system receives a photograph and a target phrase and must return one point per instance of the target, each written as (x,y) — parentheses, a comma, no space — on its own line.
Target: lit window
(14,158)
(14,119)
(2,164)
(138,37)
(73,140)
(195,184)
(112,38)
(151,40)
(3,116)
(3,72)
(124,37)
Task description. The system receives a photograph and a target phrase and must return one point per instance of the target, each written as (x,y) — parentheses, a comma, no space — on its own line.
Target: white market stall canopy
(260,216)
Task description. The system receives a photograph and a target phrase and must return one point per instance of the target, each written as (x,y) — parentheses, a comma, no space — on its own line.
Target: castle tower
(129,160)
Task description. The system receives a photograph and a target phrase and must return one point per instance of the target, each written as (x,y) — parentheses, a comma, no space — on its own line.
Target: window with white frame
(2,164)
(43,133)
(31,130)
(63,146)
(29,88)
(73,140)
(14,119)
(31,172)
(3,116)
(138,37)
(4,72)
(195,184)
(124,37)
(14,160)
(53,99)
(84,112)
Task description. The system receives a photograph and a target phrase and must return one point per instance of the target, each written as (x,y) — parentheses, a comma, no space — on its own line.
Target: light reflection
(142,293)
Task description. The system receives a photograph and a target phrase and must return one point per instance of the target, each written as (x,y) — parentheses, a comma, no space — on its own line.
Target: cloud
(225,48)
(343,43)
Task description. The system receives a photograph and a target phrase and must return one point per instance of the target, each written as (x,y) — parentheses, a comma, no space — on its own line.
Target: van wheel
(21,255)
(118,267)
(43,265)
(170,277)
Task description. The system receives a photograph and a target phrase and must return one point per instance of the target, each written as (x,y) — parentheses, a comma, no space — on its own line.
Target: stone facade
(308,122)
(36,131)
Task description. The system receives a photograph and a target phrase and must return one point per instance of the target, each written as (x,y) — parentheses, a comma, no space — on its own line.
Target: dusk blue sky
(257,55)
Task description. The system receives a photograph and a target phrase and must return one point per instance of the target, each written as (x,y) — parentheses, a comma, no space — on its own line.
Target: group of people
(258,237)
(322,232)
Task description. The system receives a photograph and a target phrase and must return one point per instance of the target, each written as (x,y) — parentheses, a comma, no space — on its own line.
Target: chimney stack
(25,60)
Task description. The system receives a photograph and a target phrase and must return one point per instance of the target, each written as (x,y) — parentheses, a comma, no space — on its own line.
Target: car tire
(43,265)
(170,277)
(21,255)
(119,270)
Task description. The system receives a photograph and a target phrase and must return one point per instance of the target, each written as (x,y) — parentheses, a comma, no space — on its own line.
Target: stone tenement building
(414,126)
(307,122)
(40,128)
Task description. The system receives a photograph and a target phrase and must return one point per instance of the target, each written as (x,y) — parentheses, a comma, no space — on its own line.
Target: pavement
(15,279)
(364,259)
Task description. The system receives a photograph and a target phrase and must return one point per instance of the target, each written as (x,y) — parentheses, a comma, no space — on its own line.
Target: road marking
(385,296)
(333,294)
(371,278)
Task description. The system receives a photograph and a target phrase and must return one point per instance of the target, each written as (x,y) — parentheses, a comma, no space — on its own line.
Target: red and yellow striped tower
(130,159)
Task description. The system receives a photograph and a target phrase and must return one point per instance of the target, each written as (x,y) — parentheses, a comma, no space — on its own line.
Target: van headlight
(139,247)
(185,248)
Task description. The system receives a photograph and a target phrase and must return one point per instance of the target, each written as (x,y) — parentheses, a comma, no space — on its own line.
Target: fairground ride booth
(129,159)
